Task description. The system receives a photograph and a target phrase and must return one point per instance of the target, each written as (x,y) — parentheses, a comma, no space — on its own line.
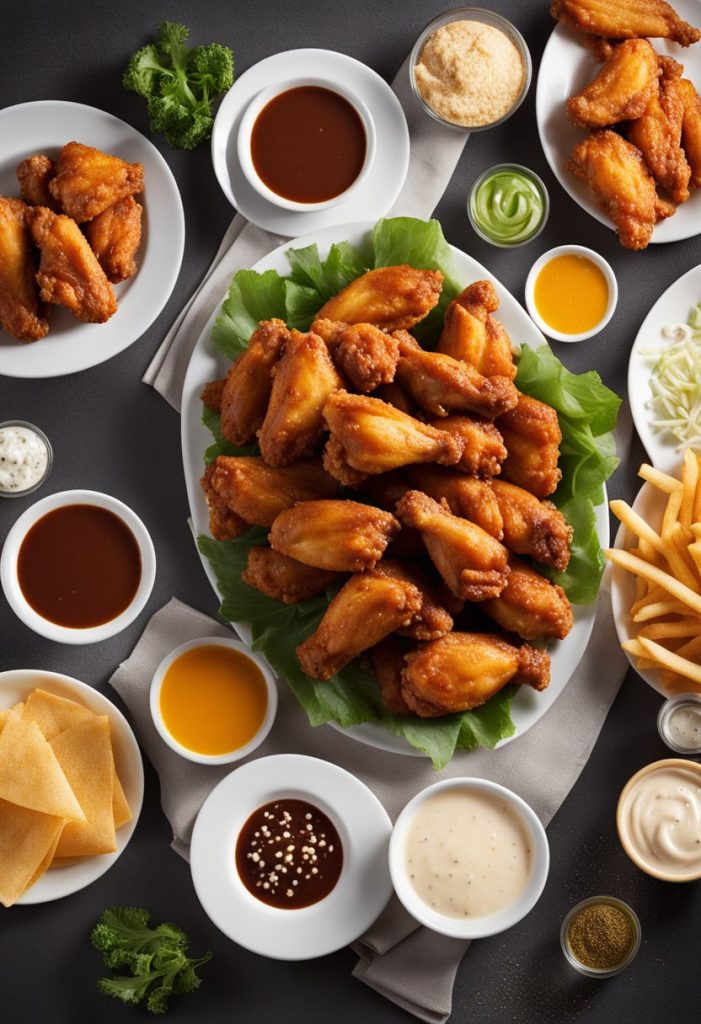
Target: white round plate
(205,365)
(672,307)
(361,892)
(62,881)
(565,68)
(43,127)
(650,504)
(384,182)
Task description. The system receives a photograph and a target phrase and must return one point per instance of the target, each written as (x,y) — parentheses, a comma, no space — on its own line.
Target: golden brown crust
(625,19)
(19,300)
(115,237)
(34,175)
(343,536)
(389,297)
(258,493)
(532,436)
(249,382)
(211,394)
(622,88)
(87,180)
(531,606)
(224,524)
(284,579)
(431,620)
(533,527)
(484,449)
(472,334)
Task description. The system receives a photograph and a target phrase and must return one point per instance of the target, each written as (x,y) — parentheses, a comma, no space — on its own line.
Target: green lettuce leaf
(212,420)
(582,577)
(252,297)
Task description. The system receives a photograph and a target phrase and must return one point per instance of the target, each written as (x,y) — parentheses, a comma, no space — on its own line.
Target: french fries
(667,570)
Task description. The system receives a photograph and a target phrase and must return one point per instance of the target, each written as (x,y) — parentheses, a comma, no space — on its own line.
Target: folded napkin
(435,152)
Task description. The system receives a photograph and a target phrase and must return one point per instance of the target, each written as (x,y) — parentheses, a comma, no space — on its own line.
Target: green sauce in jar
(508,205)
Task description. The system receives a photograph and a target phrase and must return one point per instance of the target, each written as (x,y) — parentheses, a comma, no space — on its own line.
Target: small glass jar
(518,238)
(36,484)
(679,724)
(605,972)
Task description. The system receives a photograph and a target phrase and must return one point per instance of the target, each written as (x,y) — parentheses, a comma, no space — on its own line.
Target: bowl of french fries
(656,577)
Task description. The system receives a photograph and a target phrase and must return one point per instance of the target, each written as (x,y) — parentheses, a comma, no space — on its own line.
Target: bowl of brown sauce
(78,566)
(305,144)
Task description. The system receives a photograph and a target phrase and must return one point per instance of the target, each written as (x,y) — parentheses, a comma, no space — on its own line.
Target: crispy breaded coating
(69,273)
(258,493)
(440,384)
(211,394)
(303,379)
(343,536)
(472,334)
(691,128)
(388,664)
(431,620)
(366,609)
(657,133)
(461,671)
(625,19)
(532,437)
(115,237)
(484,449)
(365,355)
(224,524)
(389,297)
(249,382)
(466,496)
(531,606)
(284,579)
(34,175)
(19,299)
(472,564)
(376,437)
(532,527)
(622,88)
(87,181)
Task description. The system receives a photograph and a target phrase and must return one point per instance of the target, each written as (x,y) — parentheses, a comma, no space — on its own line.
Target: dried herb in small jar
(601,936)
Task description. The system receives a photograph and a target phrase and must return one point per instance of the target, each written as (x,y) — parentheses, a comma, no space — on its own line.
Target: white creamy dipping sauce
(467,853)
(23,458)
(661,819)
(684,726)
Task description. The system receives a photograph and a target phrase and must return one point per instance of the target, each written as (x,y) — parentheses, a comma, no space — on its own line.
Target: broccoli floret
(180,85)
(156,958)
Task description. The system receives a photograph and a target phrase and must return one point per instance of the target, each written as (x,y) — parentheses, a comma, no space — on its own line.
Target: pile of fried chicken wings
(414,483)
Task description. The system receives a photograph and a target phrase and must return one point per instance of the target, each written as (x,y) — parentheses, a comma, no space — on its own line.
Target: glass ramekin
(49,458)
(519,169)
(607,972)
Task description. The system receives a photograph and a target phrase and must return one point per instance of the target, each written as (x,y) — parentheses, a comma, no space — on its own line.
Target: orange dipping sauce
(213,699)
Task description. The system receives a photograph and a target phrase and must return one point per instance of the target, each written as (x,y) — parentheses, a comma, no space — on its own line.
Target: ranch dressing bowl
(468,858)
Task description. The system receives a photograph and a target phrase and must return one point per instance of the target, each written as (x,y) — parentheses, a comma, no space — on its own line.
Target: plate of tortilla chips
(71,785)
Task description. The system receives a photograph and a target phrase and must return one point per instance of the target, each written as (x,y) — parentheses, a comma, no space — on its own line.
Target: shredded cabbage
(675,382)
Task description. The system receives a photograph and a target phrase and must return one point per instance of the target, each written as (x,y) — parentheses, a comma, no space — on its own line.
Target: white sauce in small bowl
(24,458)
(467,853)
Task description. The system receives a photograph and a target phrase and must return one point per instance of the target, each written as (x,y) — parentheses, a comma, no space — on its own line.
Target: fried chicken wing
(472,334)
(389,297)
(440,384)
(533,527)
(303,379)
(244,400)
(19,301)
(384,489)
(258,493)
(691,128)
(463,670)
(34,175)
(532,437)
(376,437)
(623,186)
(87,181)
(365,355)
(657,133)
(284,579)
(431,620)
(343,536)
(621,90)
(366,609)
(394,395)
(115,237)
(531,606)
(625,19)
(472,564)
(467,496)
(388,664)
(224,524)
(69,273)
(484,449)
(211,394)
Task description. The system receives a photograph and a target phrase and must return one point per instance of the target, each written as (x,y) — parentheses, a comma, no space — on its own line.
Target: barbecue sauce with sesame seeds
(289,854)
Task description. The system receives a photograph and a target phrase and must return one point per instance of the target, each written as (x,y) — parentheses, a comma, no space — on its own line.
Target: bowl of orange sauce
(213,700)
(571,293)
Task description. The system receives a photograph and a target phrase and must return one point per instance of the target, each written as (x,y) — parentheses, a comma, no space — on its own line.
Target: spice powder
(600,936)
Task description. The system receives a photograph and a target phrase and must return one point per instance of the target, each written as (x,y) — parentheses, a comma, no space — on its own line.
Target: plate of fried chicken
(619,114)
(416,481)
(91,237)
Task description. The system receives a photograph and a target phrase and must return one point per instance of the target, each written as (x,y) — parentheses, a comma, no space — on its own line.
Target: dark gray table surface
(110,432)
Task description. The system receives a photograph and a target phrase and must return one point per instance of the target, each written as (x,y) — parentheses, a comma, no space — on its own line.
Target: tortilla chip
(48,858)
(85,754)
(30,774)
(54,714)
(27,843)
(121,811)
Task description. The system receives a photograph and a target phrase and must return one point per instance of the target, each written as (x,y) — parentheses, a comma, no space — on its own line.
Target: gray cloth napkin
(435,152)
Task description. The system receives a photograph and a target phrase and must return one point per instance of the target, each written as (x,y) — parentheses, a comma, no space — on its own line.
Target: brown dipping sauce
(289,854)
(79,566)
(308,144)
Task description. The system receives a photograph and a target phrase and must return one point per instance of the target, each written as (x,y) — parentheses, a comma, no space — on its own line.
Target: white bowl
(193,755)
(490,924)
(571,250)
(10,581)
(243,142)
